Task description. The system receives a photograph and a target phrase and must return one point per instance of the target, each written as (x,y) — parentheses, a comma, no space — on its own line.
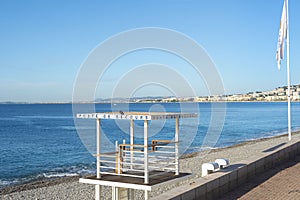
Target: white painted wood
(131,141)
(146,173)
(98,138)
(136,115)
(97,192)
(177,146)
(116,184)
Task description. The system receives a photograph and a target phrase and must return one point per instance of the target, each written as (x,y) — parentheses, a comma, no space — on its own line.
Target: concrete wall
(218,183)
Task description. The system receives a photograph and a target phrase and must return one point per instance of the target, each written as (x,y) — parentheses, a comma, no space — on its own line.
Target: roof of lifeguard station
(136,115)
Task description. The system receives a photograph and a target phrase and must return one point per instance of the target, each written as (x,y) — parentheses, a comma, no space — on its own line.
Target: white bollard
(223,163)
(209,168)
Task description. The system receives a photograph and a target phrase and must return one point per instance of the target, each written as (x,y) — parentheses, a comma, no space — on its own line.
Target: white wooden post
(146,195)
(97,192)
(98,148)
(98,138)
(176,146)
(131,142)
(118,157)
(146,175)
(115,193)
(116,145)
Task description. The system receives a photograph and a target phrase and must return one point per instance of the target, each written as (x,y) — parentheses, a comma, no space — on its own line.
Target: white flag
(282,35)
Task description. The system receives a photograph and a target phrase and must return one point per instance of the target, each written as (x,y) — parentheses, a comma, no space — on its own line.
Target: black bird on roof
(121,112)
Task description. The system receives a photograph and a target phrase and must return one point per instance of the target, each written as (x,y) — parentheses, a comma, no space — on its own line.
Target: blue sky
(44,43)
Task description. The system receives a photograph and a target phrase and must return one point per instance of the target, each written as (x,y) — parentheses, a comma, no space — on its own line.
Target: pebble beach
(70,188)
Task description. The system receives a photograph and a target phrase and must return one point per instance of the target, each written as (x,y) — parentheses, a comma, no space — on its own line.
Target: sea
(42,141)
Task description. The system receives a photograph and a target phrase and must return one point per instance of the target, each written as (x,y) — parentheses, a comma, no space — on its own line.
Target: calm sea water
(41,141)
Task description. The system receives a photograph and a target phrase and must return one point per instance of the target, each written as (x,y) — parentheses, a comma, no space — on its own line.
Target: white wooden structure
(132,166)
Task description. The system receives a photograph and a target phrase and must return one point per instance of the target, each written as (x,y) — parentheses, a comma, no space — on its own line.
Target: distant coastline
(277,95)
(140,102)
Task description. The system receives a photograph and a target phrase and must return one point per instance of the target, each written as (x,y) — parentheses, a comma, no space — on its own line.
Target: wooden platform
(155,178)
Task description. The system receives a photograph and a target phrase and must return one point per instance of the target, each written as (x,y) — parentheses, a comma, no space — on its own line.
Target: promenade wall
(216,184)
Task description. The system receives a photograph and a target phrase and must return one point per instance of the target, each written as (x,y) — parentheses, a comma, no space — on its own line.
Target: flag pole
(288,71)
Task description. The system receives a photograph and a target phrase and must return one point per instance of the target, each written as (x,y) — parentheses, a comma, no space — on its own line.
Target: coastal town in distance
(278,94)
